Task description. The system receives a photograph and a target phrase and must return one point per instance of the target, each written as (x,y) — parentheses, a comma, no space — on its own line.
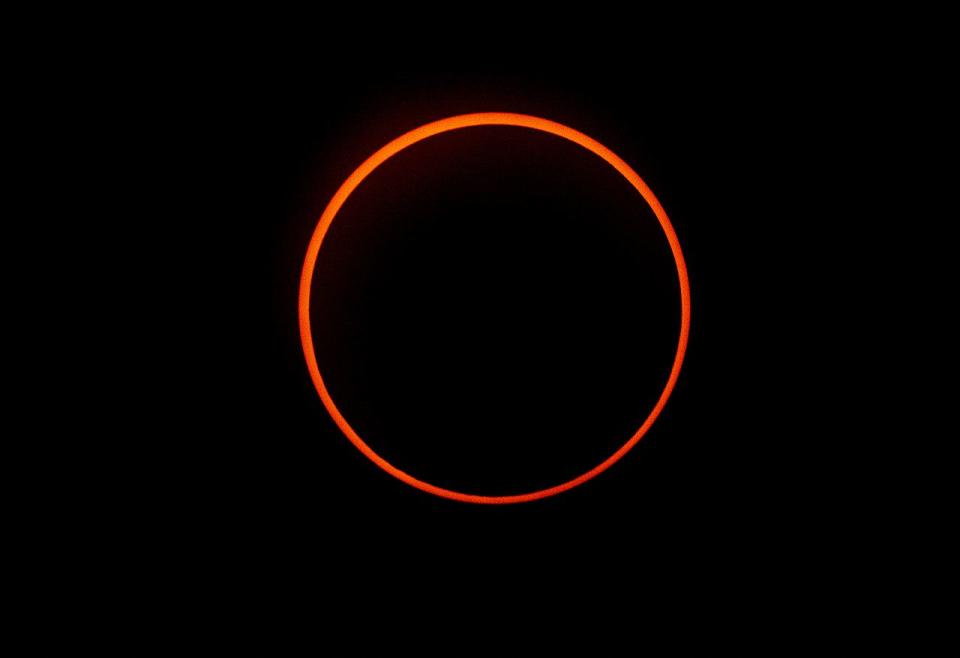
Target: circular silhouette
(436,128)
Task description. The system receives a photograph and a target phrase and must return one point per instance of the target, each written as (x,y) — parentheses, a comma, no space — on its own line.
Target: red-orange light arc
(436,128)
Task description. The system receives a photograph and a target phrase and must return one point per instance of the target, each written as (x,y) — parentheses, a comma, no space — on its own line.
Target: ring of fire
(436,128)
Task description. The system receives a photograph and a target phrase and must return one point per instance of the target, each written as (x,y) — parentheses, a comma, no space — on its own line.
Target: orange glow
(436,128)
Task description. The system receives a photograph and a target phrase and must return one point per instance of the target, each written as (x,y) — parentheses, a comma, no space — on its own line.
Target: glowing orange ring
(442,126)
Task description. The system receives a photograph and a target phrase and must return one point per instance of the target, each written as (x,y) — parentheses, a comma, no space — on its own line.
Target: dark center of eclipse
(495,310)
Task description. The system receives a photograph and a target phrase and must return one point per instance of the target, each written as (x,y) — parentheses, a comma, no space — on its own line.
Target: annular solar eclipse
(462,122)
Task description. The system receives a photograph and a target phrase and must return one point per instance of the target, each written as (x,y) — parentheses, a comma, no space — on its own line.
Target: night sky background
(495,310)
